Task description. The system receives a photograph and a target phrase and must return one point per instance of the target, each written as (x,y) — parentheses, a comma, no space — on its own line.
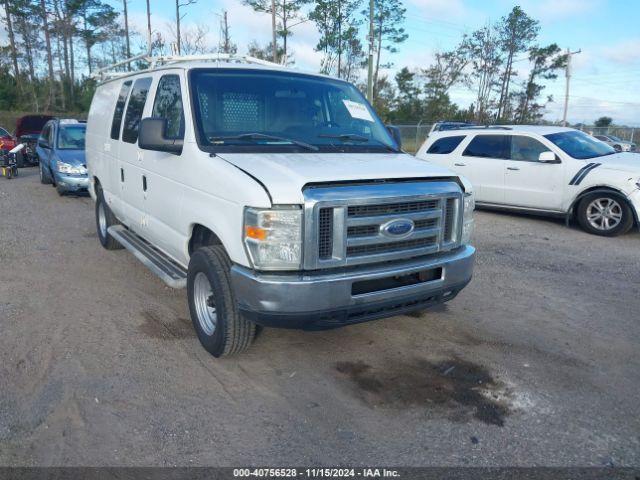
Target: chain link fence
(413,136)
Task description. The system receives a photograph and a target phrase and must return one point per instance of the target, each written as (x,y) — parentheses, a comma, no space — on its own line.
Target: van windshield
(252,110)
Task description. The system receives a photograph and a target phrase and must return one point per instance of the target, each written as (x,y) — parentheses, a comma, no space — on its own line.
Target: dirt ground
(535,363)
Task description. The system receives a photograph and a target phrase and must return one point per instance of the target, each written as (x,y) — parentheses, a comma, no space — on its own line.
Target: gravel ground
(535,363)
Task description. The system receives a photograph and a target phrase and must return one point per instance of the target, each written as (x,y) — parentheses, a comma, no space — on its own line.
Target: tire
(20,159)
(617,148)
(605,214)
(224,331)
(105,219)
(61,191)
(44,178)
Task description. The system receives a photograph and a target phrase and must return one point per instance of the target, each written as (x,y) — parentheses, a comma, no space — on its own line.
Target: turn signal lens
(256,233)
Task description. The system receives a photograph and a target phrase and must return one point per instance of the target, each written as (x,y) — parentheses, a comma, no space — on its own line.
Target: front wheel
(44,178)
(605,214)
(220,327)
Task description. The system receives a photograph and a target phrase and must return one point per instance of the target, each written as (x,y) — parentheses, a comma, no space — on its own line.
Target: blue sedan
(60,152)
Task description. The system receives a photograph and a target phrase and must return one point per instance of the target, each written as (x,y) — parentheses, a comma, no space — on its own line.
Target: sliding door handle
(144,183)
(513,168)
(460,164)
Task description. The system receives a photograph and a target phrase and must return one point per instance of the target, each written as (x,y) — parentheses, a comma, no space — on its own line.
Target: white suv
(546,170)
(277,198)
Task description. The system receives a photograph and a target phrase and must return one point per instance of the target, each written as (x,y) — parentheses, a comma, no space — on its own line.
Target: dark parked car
(28,129)
(60,150)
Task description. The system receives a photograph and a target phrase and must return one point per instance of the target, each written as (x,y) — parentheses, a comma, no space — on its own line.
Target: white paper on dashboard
(358,110)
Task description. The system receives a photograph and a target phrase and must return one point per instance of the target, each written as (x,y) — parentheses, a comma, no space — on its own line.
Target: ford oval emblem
(397,228)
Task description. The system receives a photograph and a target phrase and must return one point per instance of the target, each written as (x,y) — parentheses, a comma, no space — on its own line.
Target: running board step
(169,271)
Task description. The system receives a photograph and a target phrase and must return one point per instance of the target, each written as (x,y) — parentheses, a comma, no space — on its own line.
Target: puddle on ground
(165,327)
(462,388)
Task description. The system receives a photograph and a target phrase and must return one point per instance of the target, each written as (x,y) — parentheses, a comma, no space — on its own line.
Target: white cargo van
(276,198)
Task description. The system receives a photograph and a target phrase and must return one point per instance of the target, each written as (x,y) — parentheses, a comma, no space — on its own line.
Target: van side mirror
(43,143)
(548,157)
(395,133)
(152,136)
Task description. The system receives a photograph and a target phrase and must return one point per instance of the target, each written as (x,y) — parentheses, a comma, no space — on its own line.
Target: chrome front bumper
(325,299)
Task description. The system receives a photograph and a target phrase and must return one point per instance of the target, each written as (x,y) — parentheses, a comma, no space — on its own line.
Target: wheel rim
(204,303)
(102,220)
(604,214)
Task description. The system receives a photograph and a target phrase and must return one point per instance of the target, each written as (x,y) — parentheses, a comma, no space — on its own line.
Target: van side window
(446,144)
(168,105)
(488,146)
(117,113)
(134,110)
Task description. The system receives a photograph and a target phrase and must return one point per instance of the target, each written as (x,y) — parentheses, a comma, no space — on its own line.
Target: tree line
(54,46)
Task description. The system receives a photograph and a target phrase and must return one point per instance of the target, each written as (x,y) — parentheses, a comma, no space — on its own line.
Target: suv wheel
(605,214)
(220,327)
(105,219)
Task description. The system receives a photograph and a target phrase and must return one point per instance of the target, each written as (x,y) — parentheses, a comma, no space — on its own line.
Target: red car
(7,142)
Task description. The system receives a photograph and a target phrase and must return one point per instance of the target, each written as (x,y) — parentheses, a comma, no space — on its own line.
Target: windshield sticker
(358,110)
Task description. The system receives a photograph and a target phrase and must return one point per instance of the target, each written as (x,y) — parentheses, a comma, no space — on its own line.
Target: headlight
(273,237)
(467,218)
(71,169)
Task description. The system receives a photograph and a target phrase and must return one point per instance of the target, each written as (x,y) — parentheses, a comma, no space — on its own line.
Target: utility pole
(371,51)
(273,30)
(568,80)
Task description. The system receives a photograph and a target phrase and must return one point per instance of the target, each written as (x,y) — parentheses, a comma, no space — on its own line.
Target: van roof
(207,61)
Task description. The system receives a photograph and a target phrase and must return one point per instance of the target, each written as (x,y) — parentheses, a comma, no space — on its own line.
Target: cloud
(455,9)
(624,53)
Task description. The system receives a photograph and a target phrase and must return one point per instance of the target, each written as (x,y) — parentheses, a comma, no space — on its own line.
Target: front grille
(388,209)
(325,233)
(378,248)
(345,227)
(450,211)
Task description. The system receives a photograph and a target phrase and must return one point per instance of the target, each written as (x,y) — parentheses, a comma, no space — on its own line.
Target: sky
(605,75)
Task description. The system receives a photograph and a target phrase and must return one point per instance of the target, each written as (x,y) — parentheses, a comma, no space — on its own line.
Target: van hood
(624,161)
(285,174)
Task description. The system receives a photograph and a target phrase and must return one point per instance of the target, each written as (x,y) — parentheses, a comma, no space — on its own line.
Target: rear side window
(488,146)
(117,114)
(445,145)
(134,110)
(168,105)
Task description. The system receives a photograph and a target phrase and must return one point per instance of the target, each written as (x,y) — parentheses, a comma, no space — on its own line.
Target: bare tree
(179,5)
(12,42)
(126,31)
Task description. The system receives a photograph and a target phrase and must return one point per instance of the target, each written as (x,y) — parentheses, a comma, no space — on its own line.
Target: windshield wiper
(263,136)
(354,137)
